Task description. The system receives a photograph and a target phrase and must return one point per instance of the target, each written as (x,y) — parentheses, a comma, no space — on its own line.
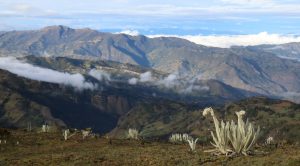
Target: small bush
(4,133)
(179,138)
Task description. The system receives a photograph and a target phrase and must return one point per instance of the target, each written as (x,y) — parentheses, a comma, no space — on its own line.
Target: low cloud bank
(179,83)
(133,81)
(146,77)
(226,41)
(100,75)
(43,74)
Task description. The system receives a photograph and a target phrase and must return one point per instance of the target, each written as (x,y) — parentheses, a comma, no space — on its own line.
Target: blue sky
(186,17)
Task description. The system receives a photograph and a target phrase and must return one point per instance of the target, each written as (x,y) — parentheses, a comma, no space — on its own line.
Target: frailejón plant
(220,137)
(66,133)
(45,128)
(192,143)
(242,135)
(232,138)
(133,134)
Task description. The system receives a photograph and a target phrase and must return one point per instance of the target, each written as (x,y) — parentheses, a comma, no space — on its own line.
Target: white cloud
(226,41)
(146,77)
(27,9)
(43,74)
(121,14)
(100,75)
(241,2)
(133,81)
(129,32)
(192,88)
(22,8)
(180,84)
(169,81)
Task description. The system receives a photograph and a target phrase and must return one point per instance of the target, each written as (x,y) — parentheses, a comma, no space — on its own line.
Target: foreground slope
(50,149)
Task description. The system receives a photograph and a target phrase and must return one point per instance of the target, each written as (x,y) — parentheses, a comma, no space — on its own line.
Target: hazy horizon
(219,23)
(190,17)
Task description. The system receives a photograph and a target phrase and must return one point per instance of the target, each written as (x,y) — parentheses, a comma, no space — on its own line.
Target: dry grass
(51,149)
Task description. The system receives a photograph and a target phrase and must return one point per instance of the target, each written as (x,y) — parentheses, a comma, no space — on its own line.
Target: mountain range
(82,78)
(257,69)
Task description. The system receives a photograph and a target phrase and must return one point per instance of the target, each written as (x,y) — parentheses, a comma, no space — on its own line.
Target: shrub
(4,133)
(269,140)
(85,133)
(179,138)
(230,137)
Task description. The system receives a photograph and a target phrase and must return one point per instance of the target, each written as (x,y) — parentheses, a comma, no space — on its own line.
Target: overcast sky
(186,17)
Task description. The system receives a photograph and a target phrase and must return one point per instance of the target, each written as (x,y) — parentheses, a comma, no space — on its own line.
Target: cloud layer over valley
(175,82)
(43,74)
(226,41)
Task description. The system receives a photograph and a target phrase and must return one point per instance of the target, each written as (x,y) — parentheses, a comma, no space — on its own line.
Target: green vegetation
(271,115)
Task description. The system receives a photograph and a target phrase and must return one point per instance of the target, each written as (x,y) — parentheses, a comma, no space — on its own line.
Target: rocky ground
(31,148)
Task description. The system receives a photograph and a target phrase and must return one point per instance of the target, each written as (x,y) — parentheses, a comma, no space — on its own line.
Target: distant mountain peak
(62,28)
(56,27)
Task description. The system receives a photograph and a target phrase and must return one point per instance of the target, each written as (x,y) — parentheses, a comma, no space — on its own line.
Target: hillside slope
(277,118)
(24,101)
(255,70)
